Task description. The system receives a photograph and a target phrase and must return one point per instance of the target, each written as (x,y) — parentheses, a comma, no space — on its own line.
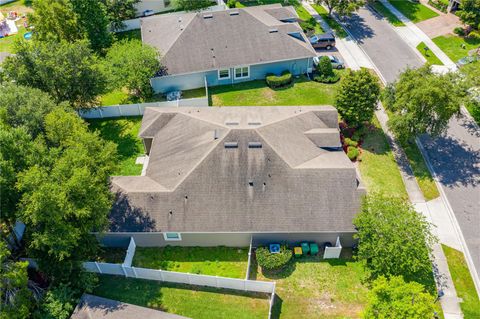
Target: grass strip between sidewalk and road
(428,54)
(332,23)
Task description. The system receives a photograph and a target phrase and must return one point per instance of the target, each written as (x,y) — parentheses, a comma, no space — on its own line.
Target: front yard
(415,11)
(456,47)
(256,93)
(428,54)
(332,23)
(185,300)
(214,261)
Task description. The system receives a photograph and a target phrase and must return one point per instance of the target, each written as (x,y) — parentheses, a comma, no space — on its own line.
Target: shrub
(59,303)
(270,261)
(474,35)
(353,153)
(275,81)
(327,79)
(459,31)
(349,142)
(324,66)
(231,3)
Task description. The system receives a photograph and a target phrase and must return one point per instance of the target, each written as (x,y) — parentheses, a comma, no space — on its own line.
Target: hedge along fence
(138,109)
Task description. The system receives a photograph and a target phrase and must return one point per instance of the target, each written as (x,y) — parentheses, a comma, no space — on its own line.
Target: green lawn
(339,30)
(456,47)
(184,300)
(121,96)
(312,287)
(381,9)
(214,261)
(22,7)
(310,23)
(414,11)
(429,55)
(463,282)
(129,35)
(123,132)
(257,93)
(378,168)
(111,255)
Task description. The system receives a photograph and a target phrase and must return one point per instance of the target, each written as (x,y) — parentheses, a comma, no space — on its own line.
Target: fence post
(161,275)
(119,110)
(134,272)
(216,282)
(139,109)
(189,280)
(98,267)
(124,271)
(101,113)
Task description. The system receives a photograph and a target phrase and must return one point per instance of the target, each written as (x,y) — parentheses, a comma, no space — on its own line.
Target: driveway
(390,54)
(455,158)
(441,25)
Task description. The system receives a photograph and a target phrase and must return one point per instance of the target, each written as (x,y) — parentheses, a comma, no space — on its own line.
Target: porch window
(172,236)
(242,72)
(224,74)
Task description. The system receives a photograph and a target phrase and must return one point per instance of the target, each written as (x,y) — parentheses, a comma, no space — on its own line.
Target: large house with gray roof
(225,47)
(224,176)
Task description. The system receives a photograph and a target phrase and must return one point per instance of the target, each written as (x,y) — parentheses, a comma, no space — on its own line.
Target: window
(172,236)
(224,74)
(242,72)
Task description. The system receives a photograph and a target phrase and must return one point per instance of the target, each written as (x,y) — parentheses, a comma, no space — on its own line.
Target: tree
(342,7)
(192,5)
(66,196)
(470,13)
(393,239)
(120,10)
(394,298)
(132,64)
(357,97)
(422,102)
(470,82)
(67,71)
(324,66)
(16,300)
(93,19)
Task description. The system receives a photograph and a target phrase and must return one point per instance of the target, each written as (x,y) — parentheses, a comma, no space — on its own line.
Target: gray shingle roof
(191,43)
(93,307)
(194,183)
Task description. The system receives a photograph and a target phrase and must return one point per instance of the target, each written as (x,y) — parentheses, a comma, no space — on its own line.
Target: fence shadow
(277,307)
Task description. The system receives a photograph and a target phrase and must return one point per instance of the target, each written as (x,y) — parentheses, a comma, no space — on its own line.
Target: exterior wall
(257,72)
(156,239)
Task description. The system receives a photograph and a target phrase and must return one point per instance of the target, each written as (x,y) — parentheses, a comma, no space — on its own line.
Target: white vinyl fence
(130,253)
(138,109)
(333,252)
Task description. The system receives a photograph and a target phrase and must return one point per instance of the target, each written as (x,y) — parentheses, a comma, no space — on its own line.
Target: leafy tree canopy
(120,10)
(394,298)
(422,102)
(393,239)
(193,5)
(342,7)
(470,13)
(357,97)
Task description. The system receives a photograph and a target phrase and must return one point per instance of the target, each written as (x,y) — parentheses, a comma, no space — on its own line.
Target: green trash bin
(313,248)
(305,248)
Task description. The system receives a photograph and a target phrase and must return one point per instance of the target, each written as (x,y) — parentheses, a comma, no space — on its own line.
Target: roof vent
(273,30)
(233,13)
(230,144)
(254,145)
(215,134)
(180,19)
(208,16)
(231,123)
(250,183)
(254,123)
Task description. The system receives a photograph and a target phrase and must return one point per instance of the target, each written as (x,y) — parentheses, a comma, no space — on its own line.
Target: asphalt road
(390,54)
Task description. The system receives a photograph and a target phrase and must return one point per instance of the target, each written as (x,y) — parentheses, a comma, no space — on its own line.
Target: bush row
(327,78)
(275,81)
(270,261)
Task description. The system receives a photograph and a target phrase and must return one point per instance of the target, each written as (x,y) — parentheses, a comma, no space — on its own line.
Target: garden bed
(215,261)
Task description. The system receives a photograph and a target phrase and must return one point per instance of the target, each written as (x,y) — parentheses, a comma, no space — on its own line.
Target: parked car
(467,60)
(336,62)
(323,41)
(148,13)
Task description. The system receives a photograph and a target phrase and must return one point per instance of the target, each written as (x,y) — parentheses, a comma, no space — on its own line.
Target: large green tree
(470,13)
(193,5)
(67,71)
(119,11)
(66,196)
(357,97)
(394,298)
(393,239)
(342,7)
(131,64)
(422,102)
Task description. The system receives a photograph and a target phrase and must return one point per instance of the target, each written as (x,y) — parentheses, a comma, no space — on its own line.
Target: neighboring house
(156,6)
(93,307)
(218,176)
(226,47)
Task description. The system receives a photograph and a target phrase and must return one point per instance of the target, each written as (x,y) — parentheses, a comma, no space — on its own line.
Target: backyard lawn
(312,287)
(21,7)
(112,255)
(463,282)
(456,47)
(257,93)
(429,55)
(381,9)
(332,23)
(378,168)
(121,96)
(189,301)
(414,11)
(214,261)
(124,132)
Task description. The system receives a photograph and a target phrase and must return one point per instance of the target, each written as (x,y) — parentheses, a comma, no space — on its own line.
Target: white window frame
(241,67)
(226,78)
(172,239)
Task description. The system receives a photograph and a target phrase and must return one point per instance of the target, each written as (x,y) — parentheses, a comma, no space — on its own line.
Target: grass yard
(332,23)
(463,282)
(214,261)
(310,23)
(21,7)
(129,35)
(112,255)
(257,93)
(378,168)
(381,9)
(189,301)
(455,47)
(124,133)
(415,11)
(121,96)
(311,287)
(429,55)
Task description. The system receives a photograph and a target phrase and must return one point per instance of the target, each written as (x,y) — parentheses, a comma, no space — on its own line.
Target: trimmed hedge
(349,142)
(275,81)
(353,153)
(270,261)
(327,78)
